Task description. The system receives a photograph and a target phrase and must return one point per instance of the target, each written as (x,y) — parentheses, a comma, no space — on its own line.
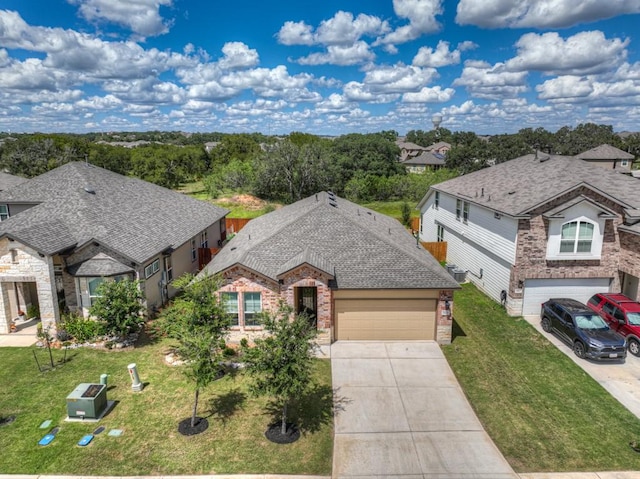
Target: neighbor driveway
(622,380)
(401,413)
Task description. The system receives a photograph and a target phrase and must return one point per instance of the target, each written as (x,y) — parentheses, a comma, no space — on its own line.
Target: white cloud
(398,78)
(422,20)
(344,30)
(355,91)
(482,80)
(141,16)
(295,33)
(540,13)
(429,95)
(354,54)
(238,55)
(580,54)
(440,57)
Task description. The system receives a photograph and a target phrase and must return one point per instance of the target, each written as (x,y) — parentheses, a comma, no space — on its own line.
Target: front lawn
(150,443)
(542,410)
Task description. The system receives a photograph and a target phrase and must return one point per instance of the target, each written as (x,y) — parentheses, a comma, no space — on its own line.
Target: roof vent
(90,190)
(331,193)
(333,203)
(512,192)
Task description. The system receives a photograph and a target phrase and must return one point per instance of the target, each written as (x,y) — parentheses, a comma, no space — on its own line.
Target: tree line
(360,167)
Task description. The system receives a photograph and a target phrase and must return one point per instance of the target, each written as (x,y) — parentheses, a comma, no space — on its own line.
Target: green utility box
(87,401)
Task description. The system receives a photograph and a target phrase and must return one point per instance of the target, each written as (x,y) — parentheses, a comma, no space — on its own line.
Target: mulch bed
(274,434)
(184,427)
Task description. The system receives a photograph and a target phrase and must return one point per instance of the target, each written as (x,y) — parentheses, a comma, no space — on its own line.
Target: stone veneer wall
(531,249)
(630,255)
(444,317)
(28,267)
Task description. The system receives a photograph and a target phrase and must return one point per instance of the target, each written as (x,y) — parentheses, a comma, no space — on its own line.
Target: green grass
(151,444)
(542,410)
(391,208)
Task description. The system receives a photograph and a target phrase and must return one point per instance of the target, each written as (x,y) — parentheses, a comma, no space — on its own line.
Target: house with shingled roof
(537,227)
(357,273)
(610,157)
(70,229)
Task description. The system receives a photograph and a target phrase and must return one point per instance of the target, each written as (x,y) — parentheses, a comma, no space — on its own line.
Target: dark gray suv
(587,332)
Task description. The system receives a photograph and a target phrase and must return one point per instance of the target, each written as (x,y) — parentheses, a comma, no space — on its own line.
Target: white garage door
(537,291)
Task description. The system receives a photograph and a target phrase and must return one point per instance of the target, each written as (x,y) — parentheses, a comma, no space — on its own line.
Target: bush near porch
(151,445)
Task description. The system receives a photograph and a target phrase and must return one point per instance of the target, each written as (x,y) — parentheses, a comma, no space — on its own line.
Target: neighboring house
(537,227)
(424,161)
(71,228)
(409,150)
(610,157)
(359,274)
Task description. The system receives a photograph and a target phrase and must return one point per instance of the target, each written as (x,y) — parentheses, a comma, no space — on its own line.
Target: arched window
(577,237)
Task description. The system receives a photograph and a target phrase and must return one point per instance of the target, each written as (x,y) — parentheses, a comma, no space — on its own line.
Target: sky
(323,67)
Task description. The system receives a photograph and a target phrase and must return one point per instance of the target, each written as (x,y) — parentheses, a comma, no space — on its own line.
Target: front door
(307,302)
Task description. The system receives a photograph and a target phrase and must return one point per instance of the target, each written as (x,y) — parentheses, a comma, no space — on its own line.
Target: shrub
(82,329)
(119,305)
(33,311)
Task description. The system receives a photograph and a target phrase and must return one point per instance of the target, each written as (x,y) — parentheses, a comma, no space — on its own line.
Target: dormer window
(576,237)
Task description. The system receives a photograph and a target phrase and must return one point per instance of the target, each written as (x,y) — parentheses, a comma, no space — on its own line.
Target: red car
(622,314)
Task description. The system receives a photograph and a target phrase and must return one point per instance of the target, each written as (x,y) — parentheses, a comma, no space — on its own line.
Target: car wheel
(546,324)
(634,347)
(579,349)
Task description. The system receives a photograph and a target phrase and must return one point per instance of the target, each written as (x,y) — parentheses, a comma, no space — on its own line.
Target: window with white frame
(436,200)
(465,212)
(252,305)
(4,212)
(204,241)
(194,252)
(151,269)
(440,233)
(230,303)
(87,288)
(458,209)
(576,237)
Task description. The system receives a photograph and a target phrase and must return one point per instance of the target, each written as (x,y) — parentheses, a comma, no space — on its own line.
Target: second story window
(458,209)
(194,252)
(465,212)
(204,242)
(4,212)
(576,237)
(436,201)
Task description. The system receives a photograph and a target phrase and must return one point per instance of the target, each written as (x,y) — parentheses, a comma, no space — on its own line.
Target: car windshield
(634,318)
(590,321)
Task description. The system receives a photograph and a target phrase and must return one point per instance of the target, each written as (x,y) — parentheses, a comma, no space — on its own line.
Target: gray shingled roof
(99,265)
(517,186)
(78,203)
(605,152)
(8,181)
(425,158)
(364,249)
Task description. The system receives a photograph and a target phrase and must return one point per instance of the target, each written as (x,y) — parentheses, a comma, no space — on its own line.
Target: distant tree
(299,138)
(197,320)
(289,172)
(119,305)
(502,148)
(239,147)
(280,364)
(406,214)
(631,144)
(538,139)
(568,141)
(427,138)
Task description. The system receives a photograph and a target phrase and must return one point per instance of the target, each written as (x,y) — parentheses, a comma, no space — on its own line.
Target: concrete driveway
(622,380)
(401,413)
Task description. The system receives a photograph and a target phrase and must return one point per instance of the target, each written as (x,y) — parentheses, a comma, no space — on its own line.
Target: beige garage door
(385,319)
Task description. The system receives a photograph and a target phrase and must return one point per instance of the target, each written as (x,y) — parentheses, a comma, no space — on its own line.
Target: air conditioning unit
(460,275)
(87,401)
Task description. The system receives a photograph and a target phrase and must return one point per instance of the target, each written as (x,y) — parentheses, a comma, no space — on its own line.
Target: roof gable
(79,202)
(518,186)
(360,247)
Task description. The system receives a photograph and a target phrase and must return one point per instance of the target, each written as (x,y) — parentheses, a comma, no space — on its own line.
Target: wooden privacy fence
(438,249)
(235,224)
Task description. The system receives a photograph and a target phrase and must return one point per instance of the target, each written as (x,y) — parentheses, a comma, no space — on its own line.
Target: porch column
(5,308)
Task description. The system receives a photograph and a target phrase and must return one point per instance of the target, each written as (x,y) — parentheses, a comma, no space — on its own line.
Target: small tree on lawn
(281,363)
(120,305)
(199,322)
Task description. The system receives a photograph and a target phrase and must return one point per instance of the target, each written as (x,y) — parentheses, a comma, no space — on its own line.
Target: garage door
(385,319)
(537,291)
